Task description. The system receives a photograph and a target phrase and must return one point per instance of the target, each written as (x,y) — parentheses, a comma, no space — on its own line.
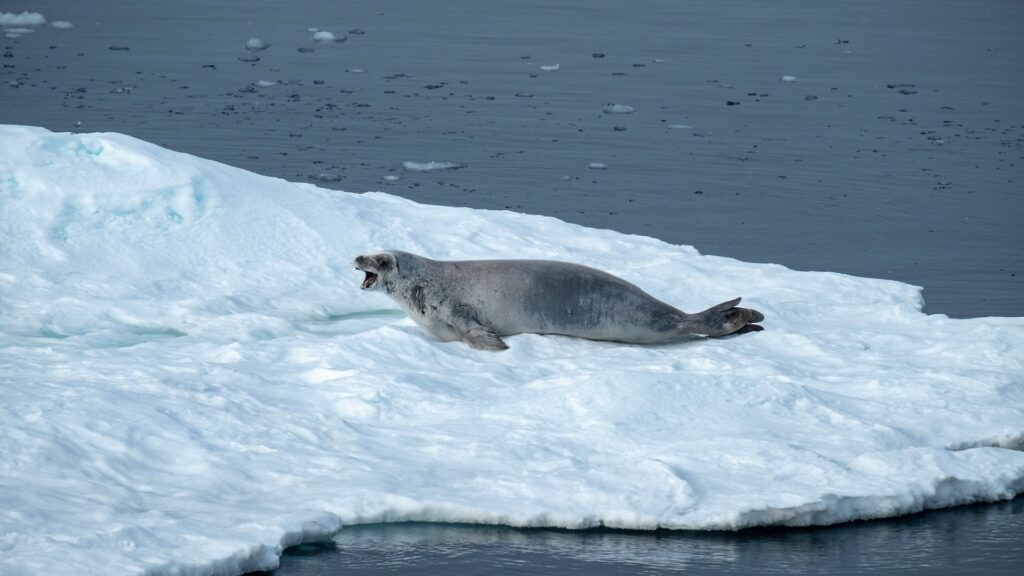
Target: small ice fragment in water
(19,31)
(598,166)
(255,45)
(324,36)
(62,25)
(789,78)
(266,83)
(618,109)
(429,166)
(550,68)
(327,177)
(681,126)
(391,178)
(26,18)
(312,29)
(357,31)
(356,71)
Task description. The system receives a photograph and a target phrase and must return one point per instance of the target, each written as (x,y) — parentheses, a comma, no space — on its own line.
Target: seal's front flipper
(726,319)
(483,338)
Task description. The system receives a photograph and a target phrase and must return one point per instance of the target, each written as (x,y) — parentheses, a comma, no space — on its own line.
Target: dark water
(980,540)
(898,152)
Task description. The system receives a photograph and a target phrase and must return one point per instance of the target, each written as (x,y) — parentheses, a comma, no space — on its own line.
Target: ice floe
(191,379)
(431,166)
(23,19)
(618,109)
(256,45)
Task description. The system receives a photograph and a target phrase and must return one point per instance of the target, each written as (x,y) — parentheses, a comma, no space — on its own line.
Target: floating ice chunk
(598,166)
(550,68)
(324,36)
(356,71)
(312,29)
(19,31)
(255,45)
(430,166)
(24,19)
(123,259)
(788,78)
(391,178)
(62,25)
(618,109)
(265,83)
(681,126)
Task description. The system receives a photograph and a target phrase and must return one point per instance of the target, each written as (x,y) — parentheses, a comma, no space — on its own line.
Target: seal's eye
(382,263)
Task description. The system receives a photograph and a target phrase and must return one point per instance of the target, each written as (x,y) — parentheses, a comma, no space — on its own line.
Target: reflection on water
(984,539)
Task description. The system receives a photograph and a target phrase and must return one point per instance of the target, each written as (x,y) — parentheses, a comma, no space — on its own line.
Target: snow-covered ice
(62,25)
(191,378)
(618,109)
(25,18)
(324,36)
(256,45)
(431,166)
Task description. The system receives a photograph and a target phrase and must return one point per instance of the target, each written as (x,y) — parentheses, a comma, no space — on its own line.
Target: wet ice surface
(833,172)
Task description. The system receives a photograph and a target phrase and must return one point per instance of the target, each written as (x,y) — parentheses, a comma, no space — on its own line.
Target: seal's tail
(726,319)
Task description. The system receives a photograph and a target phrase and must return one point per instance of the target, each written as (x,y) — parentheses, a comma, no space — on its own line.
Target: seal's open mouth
(369,280)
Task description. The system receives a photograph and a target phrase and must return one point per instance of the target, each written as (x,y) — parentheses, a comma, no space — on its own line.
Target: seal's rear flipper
(726,319)
(483,338)
(748,328)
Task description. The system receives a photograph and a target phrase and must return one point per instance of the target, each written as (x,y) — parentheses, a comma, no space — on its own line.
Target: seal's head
(378,268)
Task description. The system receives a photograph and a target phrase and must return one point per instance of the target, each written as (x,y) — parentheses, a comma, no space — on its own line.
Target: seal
(479,301)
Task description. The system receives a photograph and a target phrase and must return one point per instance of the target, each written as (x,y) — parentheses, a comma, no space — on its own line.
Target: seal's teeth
(369,280)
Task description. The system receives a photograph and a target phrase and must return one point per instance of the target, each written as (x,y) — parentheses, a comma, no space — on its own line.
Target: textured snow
(191,379)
